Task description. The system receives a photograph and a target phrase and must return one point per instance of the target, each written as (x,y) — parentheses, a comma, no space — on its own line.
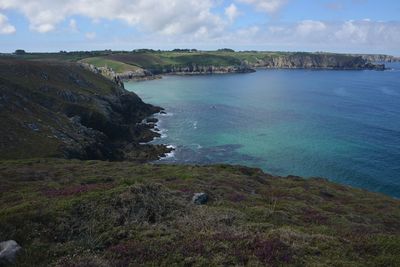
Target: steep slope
(61,109)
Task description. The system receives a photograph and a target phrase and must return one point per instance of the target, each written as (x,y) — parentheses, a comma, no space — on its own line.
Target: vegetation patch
(97,213)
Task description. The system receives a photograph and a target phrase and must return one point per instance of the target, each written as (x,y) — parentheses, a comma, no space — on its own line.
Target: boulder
(200,198)
(8,251)
(151,120)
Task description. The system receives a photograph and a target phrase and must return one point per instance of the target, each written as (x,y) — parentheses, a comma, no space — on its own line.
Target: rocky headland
(62,109)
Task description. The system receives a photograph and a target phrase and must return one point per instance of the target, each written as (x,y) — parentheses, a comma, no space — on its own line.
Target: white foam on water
(170,154)
(163,133)
(167,114)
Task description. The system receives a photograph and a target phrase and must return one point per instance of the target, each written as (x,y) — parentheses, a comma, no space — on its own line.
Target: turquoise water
(341,125)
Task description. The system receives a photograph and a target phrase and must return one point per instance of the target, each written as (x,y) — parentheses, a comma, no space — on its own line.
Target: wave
(162,132)
(166,114)
(170,154)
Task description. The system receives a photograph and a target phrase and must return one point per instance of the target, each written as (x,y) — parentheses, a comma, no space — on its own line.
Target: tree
(20,52)
(225,50)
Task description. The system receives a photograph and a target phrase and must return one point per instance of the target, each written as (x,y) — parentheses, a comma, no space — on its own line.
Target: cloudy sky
(365,26)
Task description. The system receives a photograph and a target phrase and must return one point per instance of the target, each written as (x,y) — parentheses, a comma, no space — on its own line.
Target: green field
(117,66)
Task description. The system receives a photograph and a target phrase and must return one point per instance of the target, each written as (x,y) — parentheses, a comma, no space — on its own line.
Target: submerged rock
(8,251)
(200,198)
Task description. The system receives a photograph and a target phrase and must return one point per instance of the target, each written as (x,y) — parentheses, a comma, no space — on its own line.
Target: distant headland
(145,64)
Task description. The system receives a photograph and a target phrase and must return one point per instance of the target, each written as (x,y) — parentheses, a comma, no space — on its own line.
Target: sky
(347,26)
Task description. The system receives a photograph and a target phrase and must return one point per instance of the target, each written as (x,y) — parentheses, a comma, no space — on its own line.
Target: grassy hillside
(117,66)
(93,213)
(60,109)
(164,59)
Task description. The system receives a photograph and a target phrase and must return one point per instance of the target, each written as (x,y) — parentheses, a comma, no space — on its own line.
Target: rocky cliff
(195,69)
(316,61)
(379,58)
(60,109)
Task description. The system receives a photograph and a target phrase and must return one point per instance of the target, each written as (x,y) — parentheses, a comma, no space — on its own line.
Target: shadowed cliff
(61,109)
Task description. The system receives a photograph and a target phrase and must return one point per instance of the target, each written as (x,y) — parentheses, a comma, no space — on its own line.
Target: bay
(340,125)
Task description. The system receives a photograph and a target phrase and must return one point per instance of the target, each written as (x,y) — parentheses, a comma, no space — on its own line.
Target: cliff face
(59,109)
(380,58)
(195,69)
(316,61)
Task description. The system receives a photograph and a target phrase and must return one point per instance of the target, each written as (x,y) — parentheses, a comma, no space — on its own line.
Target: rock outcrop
(200,198)
(8,251)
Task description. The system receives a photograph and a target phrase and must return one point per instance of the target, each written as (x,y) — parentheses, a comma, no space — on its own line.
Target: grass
(96,213)
(118,67)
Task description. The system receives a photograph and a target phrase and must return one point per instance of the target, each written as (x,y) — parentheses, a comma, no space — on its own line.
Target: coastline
(381,67)
(153,122)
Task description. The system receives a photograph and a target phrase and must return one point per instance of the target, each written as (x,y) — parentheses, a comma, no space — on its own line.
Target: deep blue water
(341,125)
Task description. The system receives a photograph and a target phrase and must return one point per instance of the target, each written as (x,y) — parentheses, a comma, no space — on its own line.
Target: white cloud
(90,35)
(73,25)
(168,17)
(353,31)
(193,23)
(42,28)
(269,6)
(354,35)
(307,27)
(232,12)
(5,27)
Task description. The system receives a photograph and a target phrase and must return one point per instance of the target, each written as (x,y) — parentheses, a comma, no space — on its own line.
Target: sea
(339,125)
